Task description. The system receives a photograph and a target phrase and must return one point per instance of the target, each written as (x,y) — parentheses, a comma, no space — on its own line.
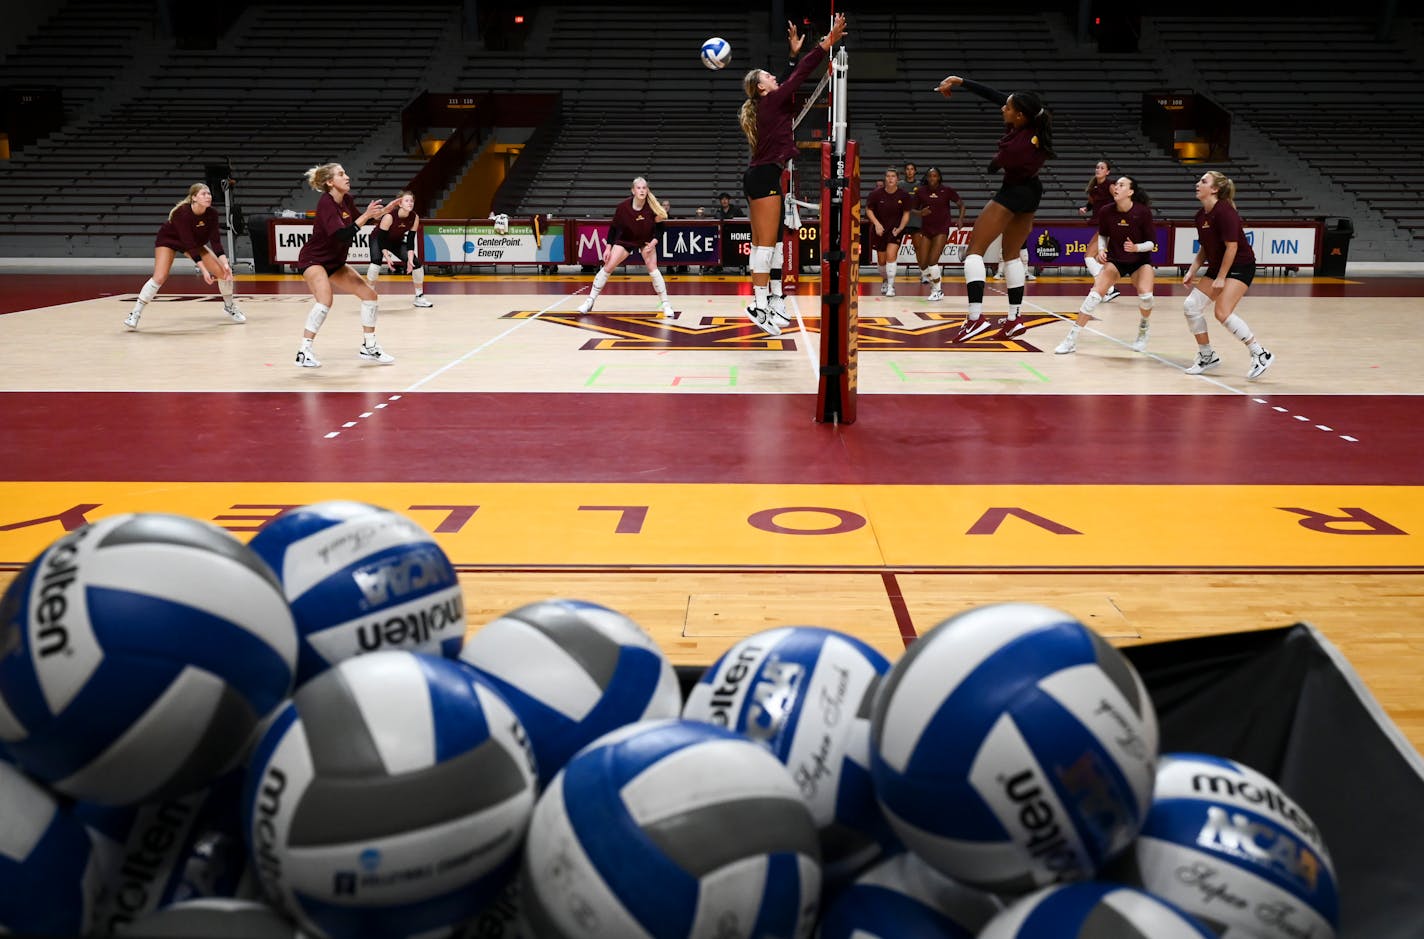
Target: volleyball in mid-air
(716,53)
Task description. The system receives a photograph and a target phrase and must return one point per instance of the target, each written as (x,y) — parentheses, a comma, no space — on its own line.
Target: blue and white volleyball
(139,654)
(216,919)
(388,798)
(573,671)
(183,848)
(671,829)
(1093,911)
(1223,842)
(1012,747)
(48,879)
(805,692)
(902,897)
(361,579)
(716,53)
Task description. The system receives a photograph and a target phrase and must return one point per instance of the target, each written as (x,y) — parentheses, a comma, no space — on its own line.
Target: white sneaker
(668,312)
(1259,363)
(1140,343)
(883,286)
(585,306)
(937,293)
(1030,276)
(1067,346)
(374,353)
(306,358)
(235,314)
(777,305)
(889,290)
(421,302)
(765,320)
(1111,295)
(1205,362)
(131,321)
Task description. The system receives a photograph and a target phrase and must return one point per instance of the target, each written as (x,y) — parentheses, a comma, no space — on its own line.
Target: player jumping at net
(193,229)
(1228,266)
(322,262)
(637,227)
(1027,143)
(393,246)
(1125,246)
(767,121)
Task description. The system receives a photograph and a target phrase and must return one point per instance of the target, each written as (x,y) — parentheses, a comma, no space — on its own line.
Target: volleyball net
(839,210)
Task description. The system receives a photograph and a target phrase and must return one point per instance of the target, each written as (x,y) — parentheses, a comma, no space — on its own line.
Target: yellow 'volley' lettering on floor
(541,525)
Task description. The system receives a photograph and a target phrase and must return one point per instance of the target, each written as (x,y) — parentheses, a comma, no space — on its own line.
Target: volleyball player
(766,119)
(932,202)
(636,228)
(323,262)
(1099,193)
(1124,237)
(888,209)
(192,228)
(1228,266)
(393,246)
(1027,143)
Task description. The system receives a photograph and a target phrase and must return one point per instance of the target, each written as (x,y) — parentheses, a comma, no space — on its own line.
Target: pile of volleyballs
(297,736)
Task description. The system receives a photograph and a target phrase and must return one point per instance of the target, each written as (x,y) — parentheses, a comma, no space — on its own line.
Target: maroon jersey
(1099,194)
(1215,229)
(632,228)
(332,232)
(938,201)
(775,133)
(889,207)
(393,236)
(1118,227)
(1019,156)
(190,232)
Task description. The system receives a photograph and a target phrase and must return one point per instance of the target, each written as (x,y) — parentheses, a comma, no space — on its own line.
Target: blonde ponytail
(747,116)
(193,190)
(1225,187)
(318,176)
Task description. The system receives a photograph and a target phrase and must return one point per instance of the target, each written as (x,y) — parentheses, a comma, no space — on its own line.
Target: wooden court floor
(675,470)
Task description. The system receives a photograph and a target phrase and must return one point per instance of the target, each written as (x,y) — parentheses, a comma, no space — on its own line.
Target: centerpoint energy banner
(474,241)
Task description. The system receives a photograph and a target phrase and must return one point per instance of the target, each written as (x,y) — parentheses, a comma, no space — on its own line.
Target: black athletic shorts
(762,180)
(1242,272)
(1020,197)
(1128,268)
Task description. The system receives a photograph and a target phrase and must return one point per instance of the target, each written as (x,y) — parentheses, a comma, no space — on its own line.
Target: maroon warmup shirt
(1216,228)
(332,232)
(190,231)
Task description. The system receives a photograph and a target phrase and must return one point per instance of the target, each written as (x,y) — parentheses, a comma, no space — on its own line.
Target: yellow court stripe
(789,527)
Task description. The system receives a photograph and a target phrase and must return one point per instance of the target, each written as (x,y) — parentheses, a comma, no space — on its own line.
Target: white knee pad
(762,256)
(368,312)
(1014,273)
(659,284)
(1195,309)
(149,291)
(974,268)
(1144,301)
(1092,264)
(316,317)
(1090,302)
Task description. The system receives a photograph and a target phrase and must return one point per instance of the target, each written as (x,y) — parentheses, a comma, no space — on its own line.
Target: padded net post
(840,262)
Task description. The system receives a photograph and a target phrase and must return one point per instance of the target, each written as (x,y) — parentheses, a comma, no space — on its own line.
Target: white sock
(759,295)
(1090,303)
(890,271)
(1238,328)
(368,339)
(1093,265)
(225,288)
(373,271)
(599,280)
(659,284)
(149,291)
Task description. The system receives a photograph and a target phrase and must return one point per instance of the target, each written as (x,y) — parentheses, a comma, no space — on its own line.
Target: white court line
(805,339)
(1220,384)
(489,342)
